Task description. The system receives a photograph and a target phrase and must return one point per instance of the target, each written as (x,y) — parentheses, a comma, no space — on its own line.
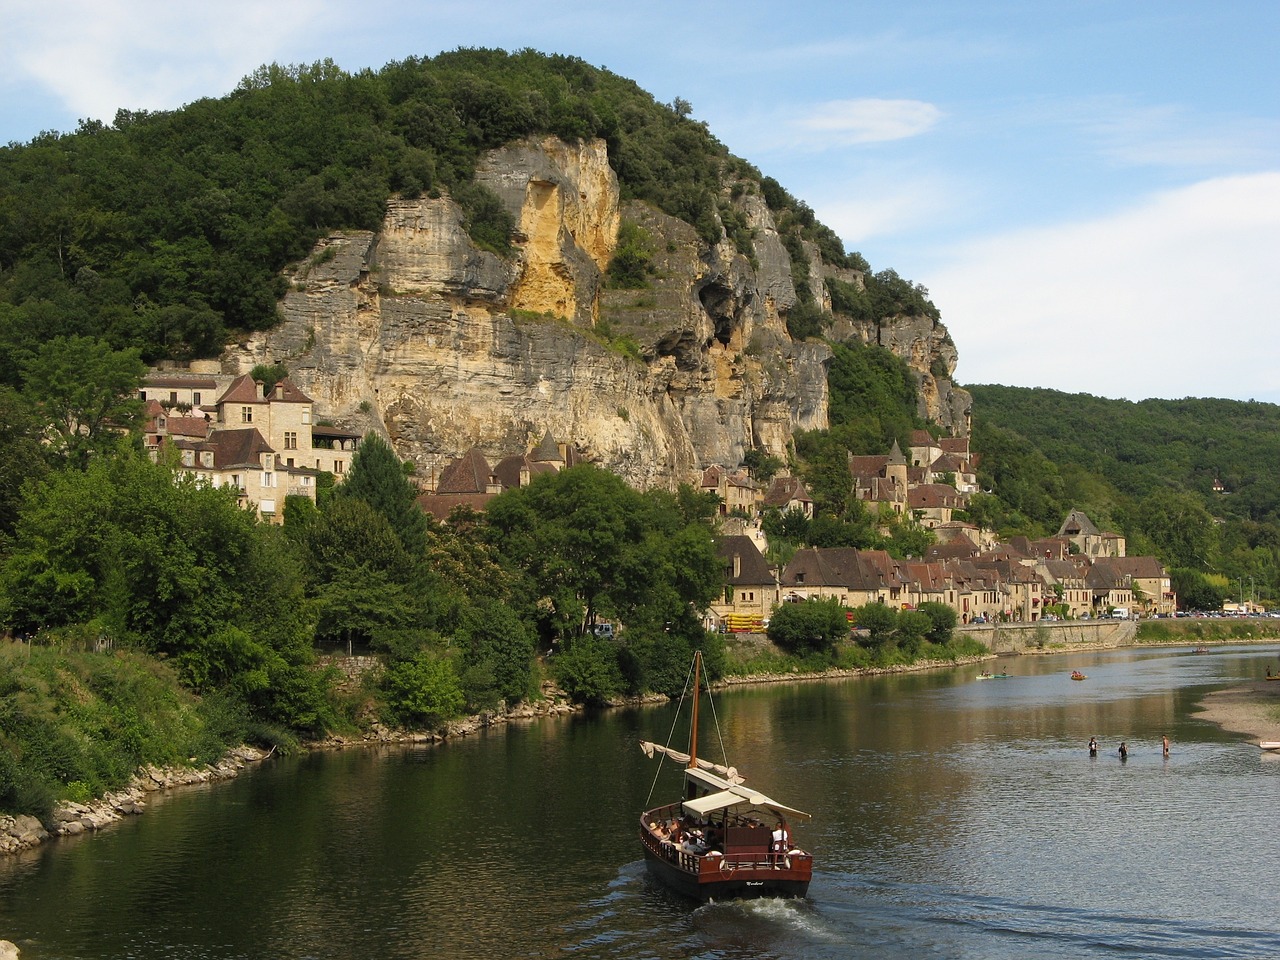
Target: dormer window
(246,414)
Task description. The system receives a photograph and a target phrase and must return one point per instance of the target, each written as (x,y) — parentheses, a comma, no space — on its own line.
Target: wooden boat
(722,840)
(1077,675)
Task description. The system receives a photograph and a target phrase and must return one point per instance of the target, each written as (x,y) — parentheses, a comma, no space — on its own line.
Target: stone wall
(1052,637)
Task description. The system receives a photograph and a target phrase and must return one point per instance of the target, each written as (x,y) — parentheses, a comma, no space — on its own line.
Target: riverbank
(1252,709)
(22,832)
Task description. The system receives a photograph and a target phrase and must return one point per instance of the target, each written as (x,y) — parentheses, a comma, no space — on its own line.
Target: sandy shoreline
(1252,709)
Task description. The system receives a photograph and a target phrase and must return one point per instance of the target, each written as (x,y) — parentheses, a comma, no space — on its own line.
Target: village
(268,444)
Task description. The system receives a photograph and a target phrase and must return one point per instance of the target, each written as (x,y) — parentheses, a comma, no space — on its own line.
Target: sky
(1090,191)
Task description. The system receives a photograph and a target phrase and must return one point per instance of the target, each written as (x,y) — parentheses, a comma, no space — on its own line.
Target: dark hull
(743,885)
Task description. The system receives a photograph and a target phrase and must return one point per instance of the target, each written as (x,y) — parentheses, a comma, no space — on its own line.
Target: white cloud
(869,120)
(1174,297)
(100,55)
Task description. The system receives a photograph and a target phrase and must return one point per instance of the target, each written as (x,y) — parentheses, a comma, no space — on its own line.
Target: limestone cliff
(415,331)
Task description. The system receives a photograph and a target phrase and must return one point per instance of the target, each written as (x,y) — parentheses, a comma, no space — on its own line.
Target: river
(951,818)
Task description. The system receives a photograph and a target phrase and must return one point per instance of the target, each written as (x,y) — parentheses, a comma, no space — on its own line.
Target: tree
(878,619)
(126,550)
(21,457)
(422,691)
(942,620)
(378,478)
(812,626)
(85,394)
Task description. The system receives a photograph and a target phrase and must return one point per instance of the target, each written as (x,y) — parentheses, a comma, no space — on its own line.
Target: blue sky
(1090,190)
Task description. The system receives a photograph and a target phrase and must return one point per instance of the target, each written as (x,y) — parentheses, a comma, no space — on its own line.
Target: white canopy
(739,796)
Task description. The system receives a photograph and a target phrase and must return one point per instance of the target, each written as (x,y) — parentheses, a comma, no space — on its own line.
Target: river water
(951,819)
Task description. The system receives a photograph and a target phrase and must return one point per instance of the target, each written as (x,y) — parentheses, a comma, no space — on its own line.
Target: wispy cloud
(1172,297)
(1173,135)
(869,120)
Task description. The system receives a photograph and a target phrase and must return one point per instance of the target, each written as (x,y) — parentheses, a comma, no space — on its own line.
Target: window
(267,461)
(268,480)
(173,396)
(288,462)
(246,414)
(290,440)
(267,506)
(195,399)
(306,414)
(337,466)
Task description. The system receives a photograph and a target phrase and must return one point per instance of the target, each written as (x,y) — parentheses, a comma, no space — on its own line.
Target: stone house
(736,490)
(1150,587)
(786,494)
(751,586)
(840,573)
(261,445)
(1088,539)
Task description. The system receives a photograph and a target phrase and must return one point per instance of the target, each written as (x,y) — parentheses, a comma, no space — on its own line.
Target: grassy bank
(74,725)
(1196,630)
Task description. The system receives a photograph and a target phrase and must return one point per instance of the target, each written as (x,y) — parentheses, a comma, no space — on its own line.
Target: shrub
(423,691)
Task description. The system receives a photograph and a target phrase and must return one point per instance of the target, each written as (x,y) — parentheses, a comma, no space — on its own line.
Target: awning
(739,797)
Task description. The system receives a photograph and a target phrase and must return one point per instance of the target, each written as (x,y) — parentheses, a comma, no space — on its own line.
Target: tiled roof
(286,391)
(468,474)
(242,390)
(440,505)
(752,566)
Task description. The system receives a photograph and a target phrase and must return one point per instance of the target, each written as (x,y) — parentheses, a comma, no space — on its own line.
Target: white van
(1120,613)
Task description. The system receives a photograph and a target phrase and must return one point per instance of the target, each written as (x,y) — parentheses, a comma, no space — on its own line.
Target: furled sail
(729,773)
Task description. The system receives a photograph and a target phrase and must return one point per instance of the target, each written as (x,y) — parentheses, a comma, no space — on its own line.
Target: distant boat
(992,676)
(1077,675)
(1270,744)
(1201,649)
(723,841)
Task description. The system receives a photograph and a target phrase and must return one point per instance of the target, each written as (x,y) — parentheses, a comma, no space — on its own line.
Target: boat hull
(740,884)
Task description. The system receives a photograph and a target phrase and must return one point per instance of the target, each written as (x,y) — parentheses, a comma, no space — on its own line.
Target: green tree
(813,626)
(378,478)
(942,621)
(126,550)
(422,691)
(879,620)
(85,393)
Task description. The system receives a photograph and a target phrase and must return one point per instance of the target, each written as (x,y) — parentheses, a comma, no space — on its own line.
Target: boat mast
(693,725)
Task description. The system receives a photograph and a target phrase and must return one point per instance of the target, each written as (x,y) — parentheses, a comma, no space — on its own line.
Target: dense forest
(1190,481)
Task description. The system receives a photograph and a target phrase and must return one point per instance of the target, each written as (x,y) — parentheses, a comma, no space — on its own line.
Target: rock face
(417,333)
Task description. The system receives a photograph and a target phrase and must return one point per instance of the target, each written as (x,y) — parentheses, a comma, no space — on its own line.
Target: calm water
(951,819)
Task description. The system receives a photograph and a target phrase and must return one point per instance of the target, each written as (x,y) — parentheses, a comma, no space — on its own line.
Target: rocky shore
(69,819)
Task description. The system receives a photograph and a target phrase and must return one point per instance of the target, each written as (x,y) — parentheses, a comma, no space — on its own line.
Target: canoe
(1270,744)
(992,676)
